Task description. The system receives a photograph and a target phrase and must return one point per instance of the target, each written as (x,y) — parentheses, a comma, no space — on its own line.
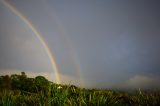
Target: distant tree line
(22,82)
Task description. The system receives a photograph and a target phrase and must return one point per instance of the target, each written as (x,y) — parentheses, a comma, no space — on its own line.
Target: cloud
(141,81)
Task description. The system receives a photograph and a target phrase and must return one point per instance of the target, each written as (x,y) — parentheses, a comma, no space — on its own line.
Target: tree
(23,75)
(15,81)
(1,81)
(29,85)
(41,83)
(7,82)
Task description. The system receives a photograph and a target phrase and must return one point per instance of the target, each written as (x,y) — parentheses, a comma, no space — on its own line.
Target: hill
(20,90)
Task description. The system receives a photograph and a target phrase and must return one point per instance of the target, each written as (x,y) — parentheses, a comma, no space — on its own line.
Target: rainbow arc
(39,36)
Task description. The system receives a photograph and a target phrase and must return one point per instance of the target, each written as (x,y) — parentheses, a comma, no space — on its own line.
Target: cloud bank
(141,81)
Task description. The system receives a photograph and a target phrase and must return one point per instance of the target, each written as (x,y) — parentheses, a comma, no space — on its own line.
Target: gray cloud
(112,43)
(143,82)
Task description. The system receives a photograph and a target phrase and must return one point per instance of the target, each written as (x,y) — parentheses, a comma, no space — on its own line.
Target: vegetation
(19,90)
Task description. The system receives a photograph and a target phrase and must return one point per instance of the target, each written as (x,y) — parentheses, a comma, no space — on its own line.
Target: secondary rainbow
(39,36)
(61,30)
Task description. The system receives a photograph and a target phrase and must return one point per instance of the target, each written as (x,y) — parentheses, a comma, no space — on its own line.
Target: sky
(95,43)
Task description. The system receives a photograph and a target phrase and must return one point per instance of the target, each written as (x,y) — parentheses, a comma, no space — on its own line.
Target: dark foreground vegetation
(19,90)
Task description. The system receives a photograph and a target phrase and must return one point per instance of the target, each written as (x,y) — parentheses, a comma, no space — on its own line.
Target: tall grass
(74,96)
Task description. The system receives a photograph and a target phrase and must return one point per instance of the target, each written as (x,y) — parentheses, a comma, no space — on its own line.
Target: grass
(19,90)
(74,96)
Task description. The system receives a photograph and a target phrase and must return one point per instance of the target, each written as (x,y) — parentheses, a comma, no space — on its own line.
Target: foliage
(19,90)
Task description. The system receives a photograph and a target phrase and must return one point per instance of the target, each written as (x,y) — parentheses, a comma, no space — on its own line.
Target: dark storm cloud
(116,42)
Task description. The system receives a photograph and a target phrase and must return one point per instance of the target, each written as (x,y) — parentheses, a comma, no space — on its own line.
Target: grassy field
(70,95)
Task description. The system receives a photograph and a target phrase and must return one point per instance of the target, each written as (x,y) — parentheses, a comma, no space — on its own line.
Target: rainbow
(39,36)
(61,30)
